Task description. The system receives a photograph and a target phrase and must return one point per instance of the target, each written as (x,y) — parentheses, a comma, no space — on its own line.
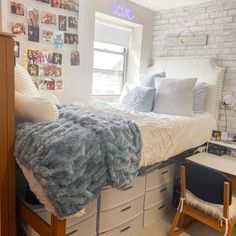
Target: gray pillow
(140,99)
(174,96)
(199,97)
(149,80)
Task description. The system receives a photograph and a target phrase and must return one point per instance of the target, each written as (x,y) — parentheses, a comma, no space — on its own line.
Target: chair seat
(213,210)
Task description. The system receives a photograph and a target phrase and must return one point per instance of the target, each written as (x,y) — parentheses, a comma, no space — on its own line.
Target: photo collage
(53,24)
(45,69)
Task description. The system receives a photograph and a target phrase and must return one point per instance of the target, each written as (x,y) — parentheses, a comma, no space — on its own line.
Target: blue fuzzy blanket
(76,156)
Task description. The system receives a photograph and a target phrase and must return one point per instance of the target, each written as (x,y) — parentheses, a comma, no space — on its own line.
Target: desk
(225,163)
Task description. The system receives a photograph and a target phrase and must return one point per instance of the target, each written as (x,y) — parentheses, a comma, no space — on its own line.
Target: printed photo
(73,22)
(56,3)
(18,28)
(17,8)
(47,36)
(45,83)
(71,38)
(44,1)
(75,58)
(33,33)
(35,57)
(59,84)
(33,70)
(49,18)
(58,72)
(33,16)
(62,23)
(17,49)
(57,58)
(216,135)
(48,57)
(49,70)
(58,39)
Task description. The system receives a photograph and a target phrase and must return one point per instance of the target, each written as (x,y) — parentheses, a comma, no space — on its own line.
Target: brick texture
(215,18)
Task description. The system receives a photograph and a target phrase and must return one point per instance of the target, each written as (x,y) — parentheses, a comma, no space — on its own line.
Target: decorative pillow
(149,80)
(140,99)
(174,96)
(35,109)
(24,83)
(49,96)
(199,97)
(127,87)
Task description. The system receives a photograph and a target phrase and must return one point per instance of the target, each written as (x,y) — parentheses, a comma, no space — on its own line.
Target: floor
(161,228)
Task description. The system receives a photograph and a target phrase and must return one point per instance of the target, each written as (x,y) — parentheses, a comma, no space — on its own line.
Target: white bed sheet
(163,136)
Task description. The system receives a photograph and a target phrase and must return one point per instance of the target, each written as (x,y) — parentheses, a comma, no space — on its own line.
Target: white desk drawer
(85,228)
(163,193)
(159,177)
(111,197)
(131,228)
(153,214)
(114,217)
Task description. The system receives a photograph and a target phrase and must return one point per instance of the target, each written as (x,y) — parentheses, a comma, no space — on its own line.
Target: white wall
(78,80)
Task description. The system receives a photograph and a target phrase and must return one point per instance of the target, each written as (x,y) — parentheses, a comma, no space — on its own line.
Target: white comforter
(163,136)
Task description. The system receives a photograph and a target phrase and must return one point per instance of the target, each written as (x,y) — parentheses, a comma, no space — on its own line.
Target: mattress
(163,137)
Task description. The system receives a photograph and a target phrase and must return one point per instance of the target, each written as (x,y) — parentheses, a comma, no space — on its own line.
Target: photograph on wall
(58,38)
(216,135)
(62,22)
(56,3)
(33,69)
(17,49)
(57,58)
(70,5)
(72,22)
(45,83)
(33,33)
(71,38)
(59,84)
(18,28)
(44,1)
(48,57)
(33,16)
(49,18)
(17,8)
(47,36)
(75,58)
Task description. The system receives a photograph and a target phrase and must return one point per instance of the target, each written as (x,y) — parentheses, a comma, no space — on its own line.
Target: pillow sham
(35,109)
(149,80)
(140,99)
(199,97)
(174,96)
(49,96)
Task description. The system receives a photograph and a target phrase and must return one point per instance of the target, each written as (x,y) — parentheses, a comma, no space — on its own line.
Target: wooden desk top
(4,34)
(225,163)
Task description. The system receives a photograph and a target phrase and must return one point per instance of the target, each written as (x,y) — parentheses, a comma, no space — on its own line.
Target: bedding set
(75,150)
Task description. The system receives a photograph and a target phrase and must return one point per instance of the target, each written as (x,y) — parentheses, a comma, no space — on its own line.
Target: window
(110,67)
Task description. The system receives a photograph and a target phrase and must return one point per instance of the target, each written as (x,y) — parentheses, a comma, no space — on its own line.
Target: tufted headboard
(203,68)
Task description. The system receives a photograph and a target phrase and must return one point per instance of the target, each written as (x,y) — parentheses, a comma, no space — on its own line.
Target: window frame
(124,72)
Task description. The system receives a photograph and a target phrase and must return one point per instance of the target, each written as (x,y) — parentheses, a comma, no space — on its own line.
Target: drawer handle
(164,172)
(126,209)
(161,207)
(163,190)
(125,229)
(73,232)
(128,188)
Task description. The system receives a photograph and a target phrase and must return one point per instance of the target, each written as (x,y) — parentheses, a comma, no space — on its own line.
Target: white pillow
(24,83)
(127,88)
(174,96)
(35,109)
(49,96)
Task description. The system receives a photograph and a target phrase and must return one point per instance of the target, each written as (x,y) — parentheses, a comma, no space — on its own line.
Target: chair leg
(231,228)
(175,223)
(182,221)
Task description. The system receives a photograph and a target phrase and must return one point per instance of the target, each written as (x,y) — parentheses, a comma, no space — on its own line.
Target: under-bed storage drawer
(159,177)
(163,193)
(154,213)
(112,218)
(130,228)
(111,198)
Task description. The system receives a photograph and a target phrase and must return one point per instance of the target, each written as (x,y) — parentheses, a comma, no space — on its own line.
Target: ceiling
(166,4)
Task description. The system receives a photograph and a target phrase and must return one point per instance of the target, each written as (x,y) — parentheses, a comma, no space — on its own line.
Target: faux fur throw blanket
(76,156)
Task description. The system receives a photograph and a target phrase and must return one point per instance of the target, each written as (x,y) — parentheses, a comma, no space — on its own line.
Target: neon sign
(122,11)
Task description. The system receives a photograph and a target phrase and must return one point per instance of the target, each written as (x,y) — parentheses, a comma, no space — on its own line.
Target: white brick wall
(216,18)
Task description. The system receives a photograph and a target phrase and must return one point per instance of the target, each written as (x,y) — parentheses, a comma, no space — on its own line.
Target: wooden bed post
(7,137)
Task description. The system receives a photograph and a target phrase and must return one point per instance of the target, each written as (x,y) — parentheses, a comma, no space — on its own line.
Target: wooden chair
(206,196)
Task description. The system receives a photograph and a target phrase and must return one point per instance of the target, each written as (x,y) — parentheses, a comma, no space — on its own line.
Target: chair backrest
(206,183)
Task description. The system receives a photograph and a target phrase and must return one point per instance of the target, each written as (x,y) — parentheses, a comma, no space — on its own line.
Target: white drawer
(112,218)
(85,228)
(153,214)
(111,197)
(163,193)
(131,228)
(159,177)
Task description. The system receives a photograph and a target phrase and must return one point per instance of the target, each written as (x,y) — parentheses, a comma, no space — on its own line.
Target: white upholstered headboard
(203,68)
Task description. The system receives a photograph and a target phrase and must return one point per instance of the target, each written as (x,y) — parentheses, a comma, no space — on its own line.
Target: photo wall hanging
(52,26)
